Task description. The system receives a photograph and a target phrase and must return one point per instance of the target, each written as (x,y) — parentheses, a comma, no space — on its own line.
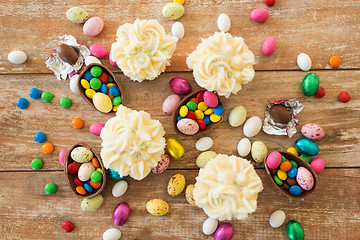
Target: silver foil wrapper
(274,128)
(62,69)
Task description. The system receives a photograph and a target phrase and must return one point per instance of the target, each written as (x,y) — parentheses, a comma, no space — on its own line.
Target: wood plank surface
(26,208)
(321,28)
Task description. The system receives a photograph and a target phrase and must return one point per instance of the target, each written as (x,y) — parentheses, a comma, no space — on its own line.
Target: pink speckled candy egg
(187,126)
(62,156)
(260,15)
(312,131)
(111,61)
(304,178)
(93,26)
(98,51)
(273,160)
(269,46)
(162,164)
(96,128)
(211,99)
(170,103)
(318,165)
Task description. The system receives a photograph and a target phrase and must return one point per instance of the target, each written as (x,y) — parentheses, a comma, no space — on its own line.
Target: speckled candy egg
(162,164)
(313,131)
(187,126)
(157,207)
(304,178)
(77,15)
(170,103)
(176,184)
(189,194)
(173,11)
(92,204)
(81,154)
(258,151)
(93,26)
(85,171)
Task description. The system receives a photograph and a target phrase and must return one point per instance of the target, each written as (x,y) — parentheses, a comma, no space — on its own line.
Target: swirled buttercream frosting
(143,49)
(222,63)
(227,187)
(132,143)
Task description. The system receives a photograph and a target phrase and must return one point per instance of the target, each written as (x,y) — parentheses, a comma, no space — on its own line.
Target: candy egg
(62,156)
(175,148)
(312,131)
(318,165)
(81,154)
(252,126)
(306,146)
(258,151)
(224,232)
(119,188)
(173,11)
(294,230)
(91,59)
(187,126)
(237,116)
(112,62)
(211,99)
(293,151)
(280,113)
(304,62)
(260,15)
(157,207)
(112,234)
(244,147)
(74,83)
(67,53)
(224,22)
(96,128)
(93,26)
(277,218)
(170,103)
(210,225)
(273,160)
(17,57)
(176,184)
(310,84)
(162,164)
(102,102)
(77,15)
(92,204)
(180,86)
(189,194)
(121,214)
(204,157)
(204,143)
(177,30)
(269,46)
(85,171)
(304,178)
(98,51)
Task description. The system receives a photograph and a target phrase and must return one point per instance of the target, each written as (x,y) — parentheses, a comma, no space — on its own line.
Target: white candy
(177,30)
(74,83)
(223,22)
(85,171)
(17,57)
(304,62)
(252,126)
(112,234)
(119,188)
(204,143)
(210,225)
(244,147)
(91,59)
(277,219)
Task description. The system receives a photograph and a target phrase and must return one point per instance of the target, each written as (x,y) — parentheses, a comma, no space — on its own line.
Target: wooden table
(318,27)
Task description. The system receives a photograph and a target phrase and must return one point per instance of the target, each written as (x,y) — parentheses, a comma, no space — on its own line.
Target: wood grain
(27,212)
(318,27)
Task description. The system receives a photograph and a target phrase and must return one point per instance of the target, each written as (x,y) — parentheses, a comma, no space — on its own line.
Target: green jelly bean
(95,83)
(310,84)
(192,106)
(116,100)
(293,163)
(50,188)
(36,163)
(283,159)
(46,96)
(306,158)
(278,181)
(96,176)
(65,102)
(110,80)
(96,71)
(294,230)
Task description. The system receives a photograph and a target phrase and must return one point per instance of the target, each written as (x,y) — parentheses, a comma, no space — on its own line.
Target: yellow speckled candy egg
(157,207)
(102,102)
(176,185)
(189,194)
(77,15)
(258,151)
(293,151)
(173,11)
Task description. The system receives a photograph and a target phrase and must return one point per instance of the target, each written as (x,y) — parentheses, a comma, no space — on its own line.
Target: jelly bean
(40,137)
(208,111)
(293,163)
(88,76)
(179,1)
(88,188)
(211,99)
(310,84)
(335,61)
(95,83)
(80,190)
(194,100)
(218,110)
(294,230)
(207,119)
(67,226)
(318,165)
(73,167)
(270,2)
(46,96)
(111,80)
(295,190)
(191,115)
(202,106)
(84,83)
(179,118)
(78,182)
(104,88)
(215,118)
(292,172)
(269,46)
(62,156)
(95,185)
(116,100)
(344,97)
(183,111)
(111,97)
(109,85)
(47,148)
(90,93)
(201,123)
(304,62)
(306,158)
(278,180)
(223,22)
(199,114)
(200,97)
(321,92)
(114,91)
(77,123)
(293,151)
(98,51)
(282,175)
(36,163)
(22,103)
(291,181)
(95,162)
(285,166)
(283,159)
(96,71)
(34,93)
(259,15)
(96,176)
(50,188)
(192,106)
(65,102)
(115,108)
(175,148)
(98,169)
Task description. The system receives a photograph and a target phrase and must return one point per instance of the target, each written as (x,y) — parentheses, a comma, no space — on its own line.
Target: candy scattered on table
(224,22)
(50,188)
(310,84)
(335,61)
(294,230)
(77,123)
(175,148)
(47,148)
(119,188)
(258,151)
(304,62)
(237,116)
(91,59)
(92,204)
(111,234)
(210,225)
(34,93)
(121,214)
(67,226)
(77,15)
(318,165)
(269,2)
(96,128)
(252,126)
(65,102)
(17,57)
(162,165)
(312,131)
(93,26)
(98,51)
(204,144)
(306,147)
(244,147)
(36,164)
(178,30)
(320,93)
(46,96)
(22,103)
(225,231)
(180,86)
(344,97)
(269,46)
(176,185)
(170,103)
(277,219)
(260,15)
(157,207)
(189,194)
(173,11)
(204,157)
(40,137)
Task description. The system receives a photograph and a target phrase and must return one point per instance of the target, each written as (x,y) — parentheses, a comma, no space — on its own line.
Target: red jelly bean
(73,167)
(320,92)
(104,78)
(78,182)
(200,97)
(191,115)
(201,123)
(344,97)
(67,226)
(269,2)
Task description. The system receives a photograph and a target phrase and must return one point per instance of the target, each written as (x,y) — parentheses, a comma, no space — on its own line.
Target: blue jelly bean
(88,188)
(292,172)
(179,118)
(104,88)
(88,76)
(207,119)
(295,190)
(22,103)
(218,110)
(40,137)
(34,93)
(114,174)
(114,91)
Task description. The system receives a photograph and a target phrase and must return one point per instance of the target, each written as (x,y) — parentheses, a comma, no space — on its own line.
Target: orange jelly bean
(285,166)
(95,185)
(77,123)
(47,148)
(80,190)
(335,61)
(95,162)
(194,100)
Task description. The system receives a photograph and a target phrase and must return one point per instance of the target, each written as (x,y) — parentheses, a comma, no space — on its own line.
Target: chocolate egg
(280,113)
(67,53)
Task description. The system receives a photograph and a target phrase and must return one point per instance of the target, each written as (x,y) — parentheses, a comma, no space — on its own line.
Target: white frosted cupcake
(143,49)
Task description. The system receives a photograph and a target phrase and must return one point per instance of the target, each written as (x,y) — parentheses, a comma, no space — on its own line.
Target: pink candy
(269,46)
(273,160)
(211,99)
(260,15)
(318,165)
(96,128)
(304,178)
(170,103)
(93,26)
(187,126)
(62,156)
(312,131)
(98,51)
(162,164)
(111,62)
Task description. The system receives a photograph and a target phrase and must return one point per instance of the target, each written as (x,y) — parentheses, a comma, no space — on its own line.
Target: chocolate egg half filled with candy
(67,53)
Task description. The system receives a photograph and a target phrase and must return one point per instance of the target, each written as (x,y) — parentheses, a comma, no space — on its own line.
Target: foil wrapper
(62,69)
(274,128)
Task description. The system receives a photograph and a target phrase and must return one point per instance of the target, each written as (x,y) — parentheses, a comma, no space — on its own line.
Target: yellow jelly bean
(215,118)
(293,151)
(175,148)
(282,175)
(90,93)
(199,114)
(109,85)
(85,84)
(115,108)
(98,169)
(179,1)
(183,111)
(208,111)
(202,106)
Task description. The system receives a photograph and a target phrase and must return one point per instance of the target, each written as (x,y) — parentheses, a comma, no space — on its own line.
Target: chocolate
(273,171)
(286,186)
(291,181)
(280,113)
(67,53)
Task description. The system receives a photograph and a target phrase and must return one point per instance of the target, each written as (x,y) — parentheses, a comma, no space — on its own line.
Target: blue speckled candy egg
(306,146)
